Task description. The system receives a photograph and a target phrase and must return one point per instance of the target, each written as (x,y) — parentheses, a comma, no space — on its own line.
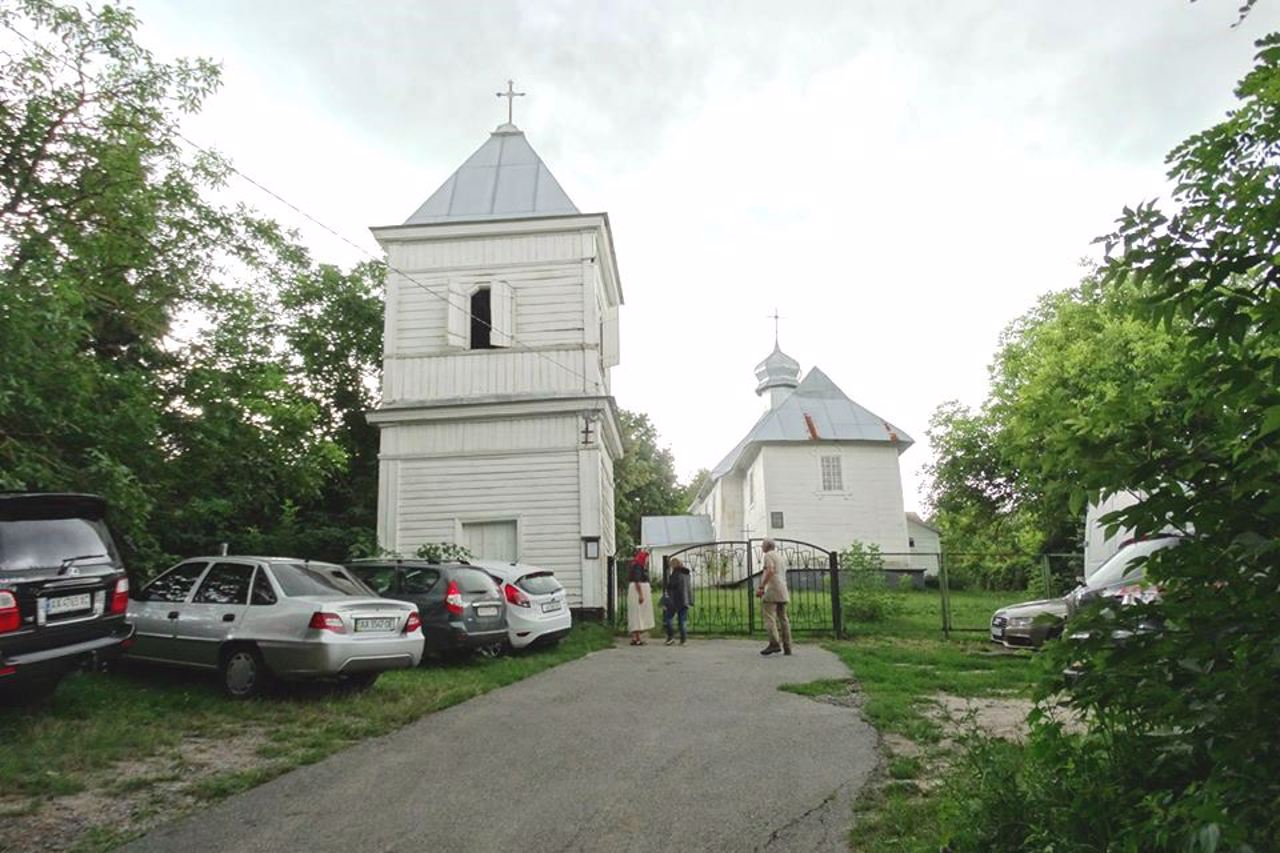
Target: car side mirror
(1080,579)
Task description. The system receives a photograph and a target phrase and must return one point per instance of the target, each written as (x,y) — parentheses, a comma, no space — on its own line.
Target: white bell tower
(498,428)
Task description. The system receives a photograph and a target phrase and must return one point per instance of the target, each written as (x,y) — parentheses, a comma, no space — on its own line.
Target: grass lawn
(900,665)
(98,724)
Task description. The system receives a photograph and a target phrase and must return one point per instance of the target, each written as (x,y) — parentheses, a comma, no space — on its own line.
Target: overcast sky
(900,179)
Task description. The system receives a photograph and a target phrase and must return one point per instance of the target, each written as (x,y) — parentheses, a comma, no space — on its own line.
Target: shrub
(865,596)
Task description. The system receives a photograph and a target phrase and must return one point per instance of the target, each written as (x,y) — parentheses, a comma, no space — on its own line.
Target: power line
(304,214)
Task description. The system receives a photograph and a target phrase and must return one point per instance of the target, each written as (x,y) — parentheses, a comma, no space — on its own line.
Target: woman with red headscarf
(639,605)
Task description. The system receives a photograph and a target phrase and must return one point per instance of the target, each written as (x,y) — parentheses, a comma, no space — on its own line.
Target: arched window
(481,319)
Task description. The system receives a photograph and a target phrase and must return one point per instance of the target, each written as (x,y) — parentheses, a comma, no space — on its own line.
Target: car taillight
(10,618)
(453,599)
(120,596)
(516,596)
(413,623)
(327,622)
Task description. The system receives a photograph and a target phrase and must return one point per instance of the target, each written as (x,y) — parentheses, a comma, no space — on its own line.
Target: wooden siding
(539,491)
(512,435)
(491,251)
(486,373)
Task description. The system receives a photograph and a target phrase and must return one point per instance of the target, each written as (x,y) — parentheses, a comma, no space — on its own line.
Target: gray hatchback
(252,618)
(462,607)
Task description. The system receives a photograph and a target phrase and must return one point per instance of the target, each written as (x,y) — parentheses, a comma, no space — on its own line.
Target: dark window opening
(481,318)
(775,520)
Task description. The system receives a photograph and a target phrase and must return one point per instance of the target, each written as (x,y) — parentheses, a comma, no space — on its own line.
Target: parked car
(461,606)
(256,618)
(537,607)
(1030,624)
(1122,577)
(63,590)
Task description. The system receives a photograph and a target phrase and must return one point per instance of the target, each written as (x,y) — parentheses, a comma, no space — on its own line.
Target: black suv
(63,590)
(461,606)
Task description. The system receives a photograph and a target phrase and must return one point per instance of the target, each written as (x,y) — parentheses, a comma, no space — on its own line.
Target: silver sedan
(256,618)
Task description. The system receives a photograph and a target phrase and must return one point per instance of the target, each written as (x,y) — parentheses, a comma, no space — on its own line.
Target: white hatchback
(537,606)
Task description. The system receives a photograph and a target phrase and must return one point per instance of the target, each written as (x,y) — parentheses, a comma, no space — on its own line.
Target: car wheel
(244,675)
(359,682)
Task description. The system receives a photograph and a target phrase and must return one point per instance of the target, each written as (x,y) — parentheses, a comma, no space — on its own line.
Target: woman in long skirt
(639,607)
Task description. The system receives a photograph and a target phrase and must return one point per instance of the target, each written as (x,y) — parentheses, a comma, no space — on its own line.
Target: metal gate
(725,575)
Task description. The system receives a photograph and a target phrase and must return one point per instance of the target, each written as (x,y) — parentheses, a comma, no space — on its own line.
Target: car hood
(1051,606)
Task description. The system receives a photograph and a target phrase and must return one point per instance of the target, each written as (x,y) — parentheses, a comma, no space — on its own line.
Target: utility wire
(315,221)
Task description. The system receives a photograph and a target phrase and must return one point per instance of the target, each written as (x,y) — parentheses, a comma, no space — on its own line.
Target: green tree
(1006,479)
(184,359)
(644,479)
(1182,750)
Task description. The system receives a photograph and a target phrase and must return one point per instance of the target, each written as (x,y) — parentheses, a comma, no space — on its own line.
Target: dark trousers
(683,616)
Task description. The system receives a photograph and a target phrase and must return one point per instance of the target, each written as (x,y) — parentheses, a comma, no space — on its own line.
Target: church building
(498,428)
(816,467)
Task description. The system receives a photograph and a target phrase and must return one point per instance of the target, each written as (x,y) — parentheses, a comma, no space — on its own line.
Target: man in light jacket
(773,593)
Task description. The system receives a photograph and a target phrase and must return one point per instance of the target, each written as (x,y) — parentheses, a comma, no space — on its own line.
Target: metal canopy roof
(504,179)
(816,411)
(657,531)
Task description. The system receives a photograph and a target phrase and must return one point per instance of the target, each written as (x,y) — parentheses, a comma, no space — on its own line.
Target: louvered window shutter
(502,312)
(458,333)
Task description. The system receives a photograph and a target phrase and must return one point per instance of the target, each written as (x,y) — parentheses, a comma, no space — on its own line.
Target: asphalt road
(628,749)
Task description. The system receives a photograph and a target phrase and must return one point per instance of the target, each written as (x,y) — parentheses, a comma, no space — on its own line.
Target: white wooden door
(491,540)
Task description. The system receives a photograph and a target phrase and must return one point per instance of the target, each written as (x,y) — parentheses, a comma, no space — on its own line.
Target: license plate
(551,607)
(486,611)
(68,604)
(375,624)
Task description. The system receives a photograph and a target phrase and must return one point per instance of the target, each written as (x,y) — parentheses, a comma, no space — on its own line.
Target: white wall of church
(868,509)
(437,476)
(754,498)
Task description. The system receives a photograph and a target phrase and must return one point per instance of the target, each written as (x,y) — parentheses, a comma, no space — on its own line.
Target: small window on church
(481,319)
(775,520)
(751,487)
(832,476)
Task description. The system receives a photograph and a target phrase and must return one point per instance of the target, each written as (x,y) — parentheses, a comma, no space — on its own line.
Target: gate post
(945,589)
(837,613)
(751,594)
(611,605)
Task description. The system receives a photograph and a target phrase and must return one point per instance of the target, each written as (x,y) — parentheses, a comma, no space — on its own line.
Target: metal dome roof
(778,370)
(504,179)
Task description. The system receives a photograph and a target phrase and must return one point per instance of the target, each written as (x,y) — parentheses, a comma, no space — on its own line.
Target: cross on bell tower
(511,94)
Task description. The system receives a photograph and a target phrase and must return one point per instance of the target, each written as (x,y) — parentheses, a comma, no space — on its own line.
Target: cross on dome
(511,94)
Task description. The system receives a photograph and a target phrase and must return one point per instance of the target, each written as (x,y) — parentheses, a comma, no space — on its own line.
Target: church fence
(945,591)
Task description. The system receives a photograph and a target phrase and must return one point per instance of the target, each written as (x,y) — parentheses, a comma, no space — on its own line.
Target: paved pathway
(628,749)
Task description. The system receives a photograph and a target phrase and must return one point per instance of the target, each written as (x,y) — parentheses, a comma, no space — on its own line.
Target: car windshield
(42,543)
(1121,564)
(540,583)
(320,579)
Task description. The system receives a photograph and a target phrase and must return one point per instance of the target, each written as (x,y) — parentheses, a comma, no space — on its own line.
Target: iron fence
(951,591)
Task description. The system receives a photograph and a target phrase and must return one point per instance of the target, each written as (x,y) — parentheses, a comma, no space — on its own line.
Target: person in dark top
(639,603)
(678,600)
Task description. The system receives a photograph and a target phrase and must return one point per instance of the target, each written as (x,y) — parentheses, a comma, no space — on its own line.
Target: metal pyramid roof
(816,411)
(504,179)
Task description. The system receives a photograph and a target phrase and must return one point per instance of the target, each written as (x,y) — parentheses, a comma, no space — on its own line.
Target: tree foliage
(1071,380)
(184,359)
(1182,749)
(645,480)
